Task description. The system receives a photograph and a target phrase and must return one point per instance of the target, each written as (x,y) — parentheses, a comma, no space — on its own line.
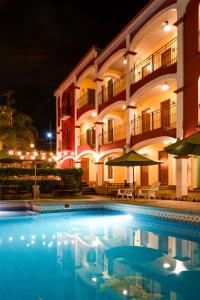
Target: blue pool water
(97,256)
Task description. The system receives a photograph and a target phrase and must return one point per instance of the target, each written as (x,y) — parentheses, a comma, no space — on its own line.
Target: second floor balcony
(113,135)
(162,60)
(154,123)
(113,89)
(85,102)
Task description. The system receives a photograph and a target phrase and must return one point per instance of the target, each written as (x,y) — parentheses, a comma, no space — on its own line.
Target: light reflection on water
(64,256)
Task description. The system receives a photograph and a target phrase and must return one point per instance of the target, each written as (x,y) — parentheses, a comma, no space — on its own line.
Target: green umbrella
(132,159)
(187,146)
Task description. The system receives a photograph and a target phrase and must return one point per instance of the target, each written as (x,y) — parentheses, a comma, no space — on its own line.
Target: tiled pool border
(161,213)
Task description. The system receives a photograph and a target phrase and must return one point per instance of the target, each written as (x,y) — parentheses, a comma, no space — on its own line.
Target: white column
(77,140)
(181,177)
(194,172)
(130,112)
(98,136)
(99,174)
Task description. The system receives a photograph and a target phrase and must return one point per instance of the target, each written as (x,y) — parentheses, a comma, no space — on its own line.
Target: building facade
(141,92)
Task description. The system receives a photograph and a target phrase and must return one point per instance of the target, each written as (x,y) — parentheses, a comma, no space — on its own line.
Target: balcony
(114,137)
(161,62)
(109,94)
(86,102)
(160,122)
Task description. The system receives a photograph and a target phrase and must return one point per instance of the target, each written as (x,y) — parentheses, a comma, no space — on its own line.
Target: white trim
(92,152)
(107,109)
(152,141)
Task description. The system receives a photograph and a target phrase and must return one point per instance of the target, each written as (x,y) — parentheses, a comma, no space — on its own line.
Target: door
(85,167)
(145,70)
(165,114)
(146,120)
(110,89)
(144,175)
(163,168)
(166,57)
(110,130)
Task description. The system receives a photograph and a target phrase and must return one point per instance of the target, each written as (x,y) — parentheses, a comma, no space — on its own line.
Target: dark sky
(41,41)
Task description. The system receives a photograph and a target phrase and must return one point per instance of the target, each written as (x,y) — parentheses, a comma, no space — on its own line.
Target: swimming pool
(98,255)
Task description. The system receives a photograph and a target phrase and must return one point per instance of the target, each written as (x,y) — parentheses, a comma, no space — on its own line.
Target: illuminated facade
(141,92)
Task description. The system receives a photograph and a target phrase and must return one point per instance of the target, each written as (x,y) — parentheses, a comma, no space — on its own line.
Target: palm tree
(16,130)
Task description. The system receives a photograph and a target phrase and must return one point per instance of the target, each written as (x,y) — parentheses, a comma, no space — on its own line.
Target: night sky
(41,42)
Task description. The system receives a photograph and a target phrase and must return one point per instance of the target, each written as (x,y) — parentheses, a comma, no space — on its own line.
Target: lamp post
(49,136)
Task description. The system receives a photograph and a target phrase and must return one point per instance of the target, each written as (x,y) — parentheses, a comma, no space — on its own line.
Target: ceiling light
(124,107)
(165,142)
(165,87)
(94,114)
(167,26)
(125,61)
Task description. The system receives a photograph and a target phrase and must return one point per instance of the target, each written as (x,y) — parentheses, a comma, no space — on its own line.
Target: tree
(16,130)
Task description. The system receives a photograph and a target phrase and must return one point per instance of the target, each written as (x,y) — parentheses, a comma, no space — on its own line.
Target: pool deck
(170,204)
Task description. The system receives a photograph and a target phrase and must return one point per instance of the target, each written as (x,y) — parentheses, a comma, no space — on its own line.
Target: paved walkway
(171,204)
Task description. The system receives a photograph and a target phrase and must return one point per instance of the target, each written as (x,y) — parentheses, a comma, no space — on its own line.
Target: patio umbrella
(132,159)
(187,146)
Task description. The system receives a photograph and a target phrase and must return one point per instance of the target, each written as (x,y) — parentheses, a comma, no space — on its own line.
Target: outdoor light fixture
(125,61)
(124,107)
(167,26)
(165,86)
(94,114)
(32,145)
(11,152)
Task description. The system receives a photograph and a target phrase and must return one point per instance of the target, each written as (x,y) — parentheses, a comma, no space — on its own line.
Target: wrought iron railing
(115,134)
(87,98)
(161,118)
(164,57)
(108,93)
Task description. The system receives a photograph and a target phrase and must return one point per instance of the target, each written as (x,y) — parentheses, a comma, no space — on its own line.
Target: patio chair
(149,192)
(128,193)
(120,192)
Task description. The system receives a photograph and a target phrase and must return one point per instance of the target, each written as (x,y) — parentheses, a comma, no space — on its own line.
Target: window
(110,89)
(68,138)
(166,57)
(110,130)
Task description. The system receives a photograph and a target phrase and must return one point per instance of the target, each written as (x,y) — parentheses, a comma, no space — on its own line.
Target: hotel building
(141,92)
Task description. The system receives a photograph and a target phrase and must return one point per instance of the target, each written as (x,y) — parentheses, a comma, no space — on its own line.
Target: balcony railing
(87,98)
(115,134)
(161,118)
(164,57)
(108,93)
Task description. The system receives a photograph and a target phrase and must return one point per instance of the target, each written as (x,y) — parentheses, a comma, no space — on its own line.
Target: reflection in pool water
(101,257)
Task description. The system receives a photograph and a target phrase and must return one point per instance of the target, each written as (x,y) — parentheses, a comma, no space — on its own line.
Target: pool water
(97,256)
